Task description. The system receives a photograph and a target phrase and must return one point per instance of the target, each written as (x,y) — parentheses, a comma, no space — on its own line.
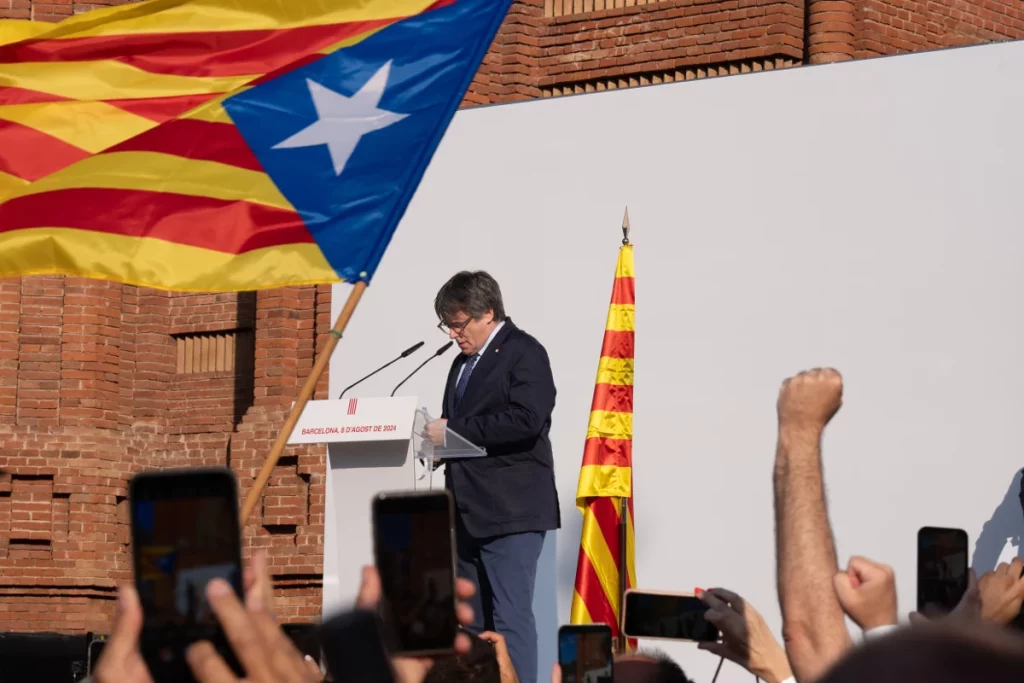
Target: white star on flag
(343,121)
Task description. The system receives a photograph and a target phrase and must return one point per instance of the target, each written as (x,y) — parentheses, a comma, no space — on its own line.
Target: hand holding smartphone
(668,616)
(185,532)
(414,548)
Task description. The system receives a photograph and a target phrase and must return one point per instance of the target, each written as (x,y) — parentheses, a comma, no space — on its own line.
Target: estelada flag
(606,475)
(226,145)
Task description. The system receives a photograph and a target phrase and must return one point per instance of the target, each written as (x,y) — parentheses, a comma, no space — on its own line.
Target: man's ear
(489,316)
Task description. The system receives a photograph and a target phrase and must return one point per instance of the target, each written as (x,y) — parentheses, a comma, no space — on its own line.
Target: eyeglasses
(457,328)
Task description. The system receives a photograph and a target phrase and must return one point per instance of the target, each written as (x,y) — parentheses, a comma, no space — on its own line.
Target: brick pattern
(89,395)
(558,8)
(669,35)
(669,76)
(89,388)
(895,26)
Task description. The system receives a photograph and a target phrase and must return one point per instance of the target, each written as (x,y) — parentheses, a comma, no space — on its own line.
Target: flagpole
(300,403)
(620,643)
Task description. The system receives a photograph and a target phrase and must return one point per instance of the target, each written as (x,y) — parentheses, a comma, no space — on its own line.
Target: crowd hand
(996,597)
(414,669)
(867,593)
(746,639)
(259,587)
(1002,592)
(121,661)
(968,610)
(809,400)
(508,672)
(266,654)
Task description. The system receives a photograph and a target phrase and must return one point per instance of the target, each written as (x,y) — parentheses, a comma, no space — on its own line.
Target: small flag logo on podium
(353,403)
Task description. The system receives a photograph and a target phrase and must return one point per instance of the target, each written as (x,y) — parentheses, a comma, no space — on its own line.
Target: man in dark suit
(499,396)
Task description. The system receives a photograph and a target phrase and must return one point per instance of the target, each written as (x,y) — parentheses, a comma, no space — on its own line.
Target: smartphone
(670,616)
(585,653)
(414,549)
(184,532)
(354,649)
(305,638)
(941,569)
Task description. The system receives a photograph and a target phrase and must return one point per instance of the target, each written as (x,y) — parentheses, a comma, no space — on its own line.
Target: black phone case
(176,669)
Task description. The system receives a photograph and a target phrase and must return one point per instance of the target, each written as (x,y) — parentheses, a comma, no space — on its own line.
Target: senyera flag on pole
(606,474)
(225,145)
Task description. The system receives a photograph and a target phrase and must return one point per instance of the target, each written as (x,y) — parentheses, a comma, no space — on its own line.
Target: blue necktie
(460,388)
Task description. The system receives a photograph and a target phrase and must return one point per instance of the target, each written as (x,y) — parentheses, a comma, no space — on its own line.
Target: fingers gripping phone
(585,653)
(669,616)
(414,548)
(185,532)
(941,569)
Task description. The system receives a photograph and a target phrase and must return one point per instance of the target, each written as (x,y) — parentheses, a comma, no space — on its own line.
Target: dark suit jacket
(506,409)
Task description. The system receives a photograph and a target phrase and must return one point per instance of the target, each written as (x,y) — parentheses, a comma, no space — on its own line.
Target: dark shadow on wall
(245,356)
(1006,524)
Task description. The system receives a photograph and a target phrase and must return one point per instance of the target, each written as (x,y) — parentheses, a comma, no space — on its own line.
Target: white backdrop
(864,215)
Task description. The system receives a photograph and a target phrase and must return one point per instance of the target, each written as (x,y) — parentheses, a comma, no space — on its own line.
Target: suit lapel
(487,363)
(449,388)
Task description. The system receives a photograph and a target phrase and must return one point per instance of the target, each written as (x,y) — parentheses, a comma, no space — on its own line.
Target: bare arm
(813,625)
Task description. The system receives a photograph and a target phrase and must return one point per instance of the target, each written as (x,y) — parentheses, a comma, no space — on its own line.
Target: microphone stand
(405,353)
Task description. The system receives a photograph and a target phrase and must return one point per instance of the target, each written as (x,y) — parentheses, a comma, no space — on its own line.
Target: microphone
(437,353)
(412,349)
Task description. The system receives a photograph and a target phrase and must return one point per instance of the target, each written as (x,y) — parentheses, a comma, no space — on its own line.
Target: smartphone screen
(414,548)
(585,653)
(941,569)
(663,615)
(184,533)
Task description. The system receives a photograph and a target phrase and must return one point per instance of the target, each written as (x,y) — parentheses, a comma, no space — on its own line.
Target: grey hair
(473,293)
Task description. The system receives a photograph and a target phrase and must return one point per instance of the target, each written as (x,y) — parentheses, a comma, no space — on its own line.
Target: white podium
(373,444)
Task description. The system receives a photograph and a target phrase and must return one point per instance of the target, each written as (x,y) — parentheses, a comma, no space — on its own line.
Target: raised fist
(809,400)
(867,593)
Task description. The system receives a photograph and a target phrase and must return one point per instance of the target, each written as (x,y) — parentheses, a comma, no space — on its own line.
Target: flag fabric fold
(606,473)
(226,145)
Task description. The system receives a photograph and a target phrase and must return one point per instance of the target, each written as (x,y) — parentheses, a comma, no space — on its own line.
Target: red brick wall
(90,387)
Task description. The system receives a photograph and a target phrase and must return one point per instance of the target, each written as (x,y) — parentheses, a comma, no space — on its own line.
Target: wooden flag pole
(300,403)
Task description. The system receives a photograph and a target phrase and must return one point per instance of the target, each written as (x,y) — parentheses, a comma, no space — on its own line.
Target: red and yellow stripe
(128,214)
(606,473)
(96,80)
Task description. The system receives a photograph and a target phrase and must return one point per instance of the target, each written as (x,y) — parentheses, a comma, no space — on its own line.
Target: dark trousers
(504,569)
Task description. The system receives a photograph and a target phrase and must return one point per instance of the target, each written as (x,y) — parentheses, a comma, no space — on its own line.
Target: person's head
(469,307)
(936,653)
(479,665)
(648,666)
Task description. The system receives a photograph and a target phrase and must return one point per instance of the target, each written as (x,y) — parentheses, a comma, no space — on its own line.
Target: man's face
(470,333)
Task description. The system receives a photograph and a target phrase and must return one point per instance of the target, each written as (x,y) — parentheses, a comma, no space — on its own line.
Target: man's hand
(746,638)
(262,648)
(508,672)
(808,401)
(1002,592)
(967,611)
(867,592)
(414,669)
(121,661)
(435,431)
